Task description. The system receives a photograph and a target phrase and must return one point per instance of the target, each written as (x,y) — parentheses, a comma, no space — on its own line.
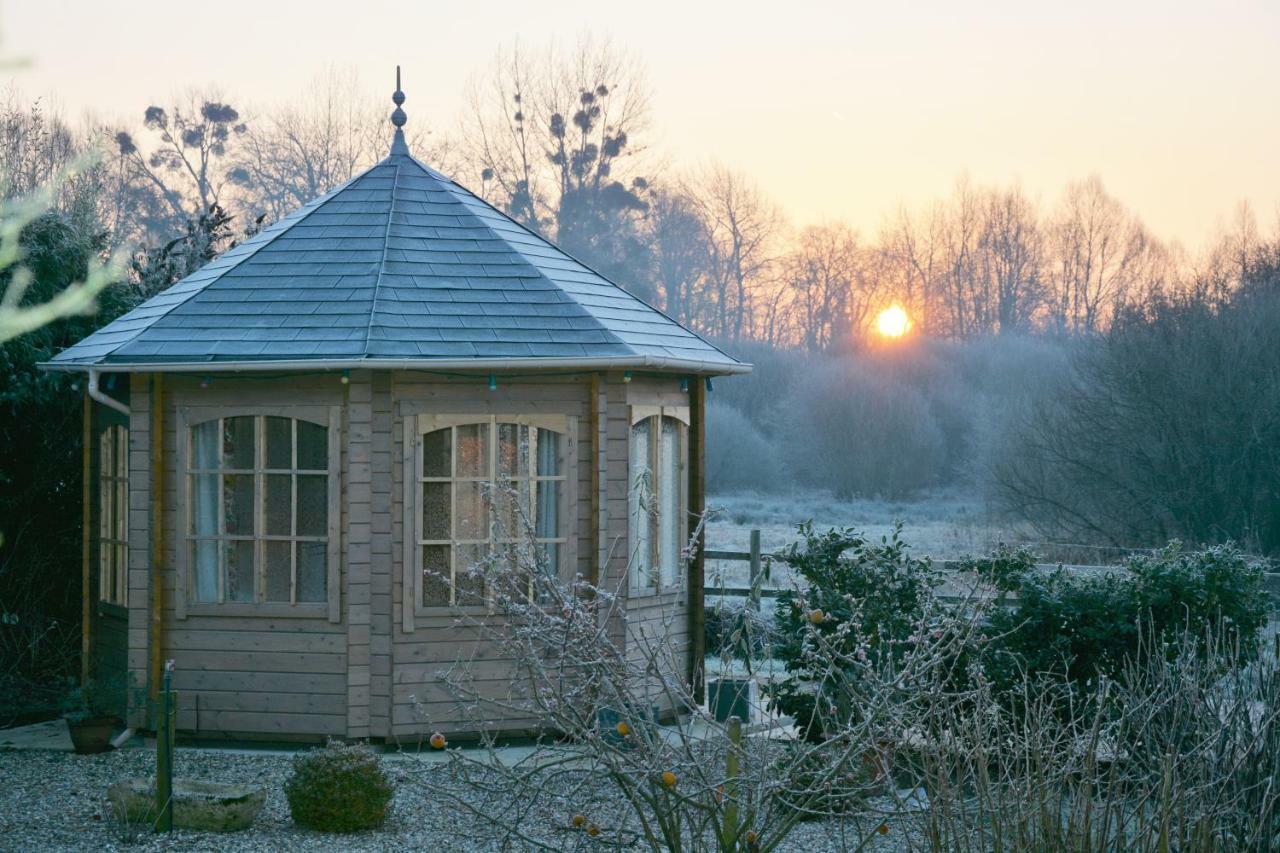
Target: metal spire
(398,118)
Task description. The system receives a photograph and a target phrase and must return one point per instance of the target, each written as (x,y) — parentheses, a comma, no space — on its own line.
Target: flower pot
(91,735)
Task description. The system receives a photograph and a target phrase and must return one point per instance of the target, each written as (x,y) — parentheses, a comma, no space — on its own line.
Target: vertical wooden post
(593,391)
(157,533)
(165,731)
(86,518)
(732,770)
(697,507)
(755,569)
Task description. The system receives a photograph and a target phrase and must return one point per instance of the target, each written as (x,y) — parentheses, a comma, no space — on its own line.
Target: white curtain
(204,516)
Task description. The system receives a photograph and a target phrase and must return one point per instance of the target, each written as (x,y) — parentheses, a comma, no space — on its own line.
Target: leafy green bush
(862,601)
(341,788)
(1086,626)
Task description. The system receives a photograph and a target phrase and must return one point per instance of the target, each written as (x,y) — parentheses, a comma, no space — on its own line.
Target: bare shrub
(739,457)
(863,433)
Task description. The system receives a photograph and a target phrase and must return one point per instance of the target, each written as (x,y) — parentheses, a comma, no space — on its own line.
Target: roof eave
(477,365)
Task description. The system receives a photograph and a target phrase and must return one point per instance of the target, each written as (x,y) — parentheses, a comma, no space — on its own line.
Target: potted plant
(90,719)
(738,634)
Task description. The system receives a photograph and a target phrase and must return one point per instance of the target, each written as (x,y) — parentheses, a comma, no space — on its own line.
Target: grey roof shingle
(398,265)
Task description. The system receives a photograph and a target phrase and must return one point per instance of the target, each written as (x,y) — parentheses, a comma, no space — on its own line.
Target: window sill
(264,611)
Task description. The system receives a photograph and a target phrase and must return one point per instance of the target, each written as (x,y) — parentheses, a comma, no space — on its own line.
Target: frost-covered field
(945,526)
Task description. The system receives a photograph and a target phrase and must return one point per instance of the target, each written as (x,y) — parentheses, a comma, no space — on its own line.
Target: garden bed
(57,801)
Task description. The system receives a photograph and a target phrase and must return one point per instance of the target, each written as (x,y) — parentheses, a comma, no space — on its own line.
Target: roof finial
(398,118)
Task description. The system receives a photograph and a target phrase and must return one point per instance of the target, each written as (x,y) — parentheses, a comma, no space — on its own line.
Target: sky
(838,110)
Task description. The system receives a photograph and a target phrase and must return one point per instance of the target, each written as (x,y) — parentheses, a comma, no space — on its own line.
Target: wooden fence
(757,560)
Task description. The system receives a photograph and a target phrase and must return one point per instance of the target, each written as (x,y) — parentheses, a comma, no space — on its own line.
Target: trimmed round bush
(340,788)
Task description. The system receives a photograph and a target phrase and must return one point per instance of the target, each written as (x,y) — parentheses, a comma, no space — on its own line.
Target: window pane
(669,498)
(435,574)
(239,564)
(511,509)
(279,505)
(550,559)
(435,510)
(279,570)
(204,445)
(237,442)
(513,450)
(313,447)
(122,574)
(313,571)
(106,454)
(204,562)
(204,504)
(473,515)
(279,442)
(469,579)
(472,450)
(313,505)
(106,577)
(639,494)
(122,452)
(548,522)
(237,502)
(548,453)
(437,453)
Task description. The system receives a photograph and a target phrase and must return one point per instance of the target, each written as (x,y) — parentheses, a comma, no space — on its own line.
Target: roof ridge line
(313,205)
(382,267)
(576,260)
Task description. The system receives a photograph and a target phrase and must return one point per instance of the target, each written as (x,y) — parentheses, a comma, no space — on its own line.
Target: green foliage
(862,602)
(40,423)
(340,788)
(1086,626)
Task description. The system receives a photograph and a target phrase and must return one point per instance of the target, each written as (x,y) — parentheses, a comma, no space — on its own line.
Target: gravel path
(56,801)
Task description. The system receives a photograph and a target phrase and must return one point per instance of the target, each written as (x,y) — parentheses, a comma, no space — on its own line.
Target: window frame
(652,583)
(417,425)
(326,417)
(113,515)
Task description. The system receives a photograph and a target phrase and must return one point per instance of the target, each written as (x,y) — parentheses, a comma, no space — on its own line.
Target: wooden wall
(365,676)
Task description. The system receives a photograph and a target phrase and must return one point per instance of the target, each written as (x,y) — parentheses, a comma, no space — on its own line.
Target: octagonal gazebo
(290,453)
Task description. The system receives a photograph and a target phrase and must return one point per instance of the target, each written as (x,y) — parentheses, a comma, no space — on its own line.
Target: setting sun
(893,322)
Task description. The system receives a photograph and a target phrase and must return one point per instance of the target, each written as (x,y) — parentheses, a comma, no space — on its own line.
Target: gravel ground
(56,801)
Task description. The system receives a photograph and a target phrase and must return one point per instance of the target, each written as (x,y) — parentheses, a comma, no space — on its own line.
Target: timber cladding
(361,669)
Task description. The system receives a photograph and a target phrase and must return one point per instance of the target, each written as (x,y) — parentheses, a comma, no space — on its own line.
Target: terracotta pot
(92,735)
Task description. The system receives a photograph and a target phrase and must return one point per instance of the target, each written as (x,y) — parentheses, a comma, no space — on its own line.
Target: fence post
(755,569)
(165,731)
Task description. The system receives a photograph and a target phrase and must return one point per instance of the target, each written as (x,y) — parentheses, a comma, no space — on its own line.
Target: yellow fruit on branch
(883,829)
(578,820)
(669,779)
(437,741)
(593,830)
(816,616)
(624,729)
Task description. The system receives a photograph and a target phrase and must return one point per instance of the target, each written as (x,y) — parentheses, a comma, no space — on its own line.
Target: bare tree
(1096,248)
(553,142)
(293,153)
(833,293)
(1011,259)
(680,255)
(742,228)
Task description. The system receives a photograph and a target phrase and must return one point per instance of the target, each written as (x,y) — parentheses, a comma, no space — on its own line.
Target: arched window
(113,515)
(261,510)
(489,493)
(656,497)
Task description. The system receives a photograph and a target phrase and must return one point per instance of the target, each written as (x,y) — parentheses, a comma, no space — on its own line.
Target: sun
(893,322)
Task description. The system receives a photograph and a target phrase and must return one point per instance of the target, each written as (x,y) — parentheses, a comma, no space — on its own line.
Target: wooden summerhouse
(287,456)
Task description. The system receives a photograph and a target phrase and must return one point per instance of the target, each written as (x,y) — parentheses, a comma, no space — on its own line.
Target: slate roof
(400,266)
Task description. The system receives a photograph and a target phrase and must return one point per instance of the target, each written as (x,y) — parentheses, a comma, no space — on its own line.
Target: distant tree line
(562,143)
